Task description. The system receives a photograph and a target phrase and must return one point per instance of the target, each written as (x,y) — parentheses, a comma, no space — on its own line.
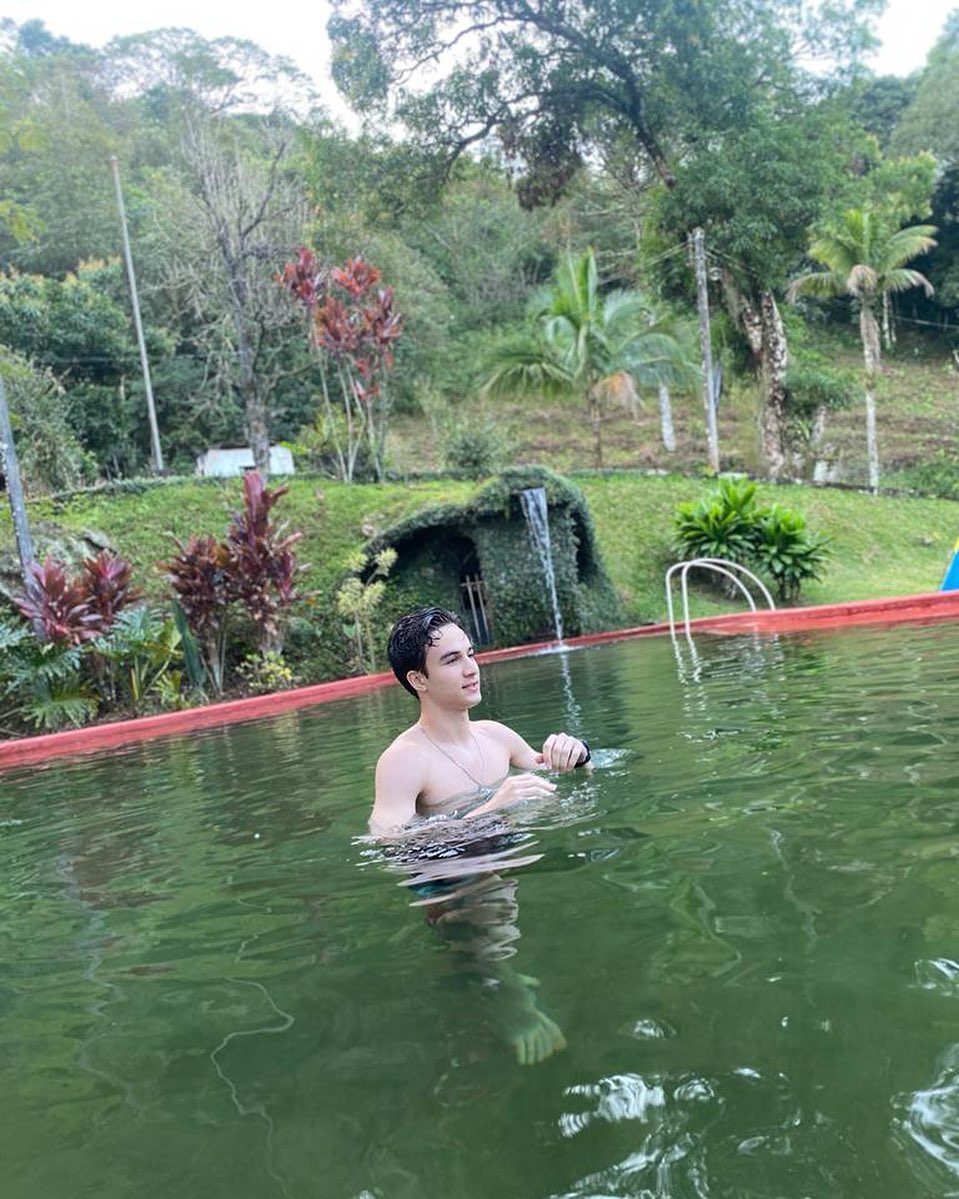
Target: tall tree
(755,193)
(549,79)
(864,257)
(663,84)
(592,346)
(62,127)
(250,214)
(231,205)
(929,122)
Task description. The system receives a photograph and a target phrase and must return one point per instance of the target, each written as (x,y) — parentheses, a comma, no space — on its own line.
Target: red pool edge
(907,609)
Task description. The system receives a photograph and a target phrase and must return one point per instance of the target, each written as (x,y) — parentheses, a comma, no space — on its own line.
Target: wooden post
(156,452)
(11,474)
(702,304)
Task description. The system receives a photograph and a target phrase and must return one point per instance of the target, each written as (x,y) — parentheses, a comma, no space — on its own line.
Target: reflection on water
(729,956)
(459,874)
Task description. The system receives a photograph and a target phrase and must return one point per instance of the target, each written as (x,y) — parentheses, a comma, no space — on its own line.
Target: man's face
(452,677)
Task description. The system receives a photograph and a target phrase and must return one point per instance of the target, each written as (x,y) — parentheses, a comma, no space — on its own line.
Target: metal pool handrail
(721,566)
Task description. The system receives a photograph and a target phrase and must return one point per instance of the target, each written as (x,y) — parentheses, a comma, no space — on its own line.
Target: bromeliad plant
(729,523)
(353,326)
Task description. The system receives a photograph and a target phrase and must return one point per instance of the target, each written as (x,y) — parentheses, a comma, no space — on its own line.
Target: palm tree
(864,258)
(592,346)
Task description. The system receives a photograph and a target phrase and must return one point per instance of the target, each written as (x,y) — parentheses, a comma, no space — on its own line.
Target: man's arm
(560,752)
(398,784)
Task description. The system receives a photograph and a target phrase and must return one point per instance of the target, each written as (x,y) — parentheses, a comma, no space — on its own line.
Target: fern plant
(41,682)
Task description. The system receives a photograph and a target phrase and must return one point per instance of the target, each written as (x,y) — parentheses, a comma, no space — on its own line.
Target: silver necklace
(487,791)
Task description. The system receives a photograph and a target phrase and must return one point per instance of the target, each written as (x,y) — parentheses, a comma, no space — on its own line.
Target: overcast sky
(297,30)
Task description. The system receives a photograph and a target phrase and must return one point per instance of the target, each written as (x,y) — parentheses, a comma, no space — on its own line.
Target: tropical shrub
(255,568)
(261,560)
(266,672)
(201,580)
(774,541)
(106,580)
(787,552)
(473,449)
(91,645)
(139,661)
(69,610)
(720,525)
(58,606)
(41,686)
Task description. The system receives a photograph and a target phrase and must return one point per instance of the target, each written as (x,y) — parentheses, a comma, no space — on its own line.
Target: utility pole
(157,453)
(702,303)
(11,475)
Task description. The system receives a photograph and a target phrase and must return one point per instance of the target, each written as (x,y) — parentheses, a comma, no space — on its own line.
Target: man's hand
(515,789)
(561,752)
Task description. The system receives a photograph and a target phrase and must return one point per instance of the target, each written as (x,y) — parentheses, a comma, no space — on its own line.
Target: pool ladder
(720,566)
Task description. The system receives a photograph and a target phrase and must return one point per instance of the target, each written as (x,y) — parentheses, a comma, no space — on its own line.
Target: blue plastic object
(951,580)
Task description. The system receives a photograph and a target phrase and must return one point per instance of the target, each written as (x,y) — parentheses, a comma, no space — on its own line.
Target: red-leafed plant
(255,566)
(106,580)
(353,327)
(202,580)
(262,560)
(58,605)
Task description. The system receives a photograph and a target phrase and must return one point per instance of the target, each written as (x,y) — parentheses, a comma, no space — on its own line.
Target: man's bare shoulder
(493,728)
(402,749)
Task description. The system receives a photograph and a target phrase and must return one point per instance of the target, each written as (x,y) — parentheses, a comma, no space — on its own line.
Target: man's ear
(416,679)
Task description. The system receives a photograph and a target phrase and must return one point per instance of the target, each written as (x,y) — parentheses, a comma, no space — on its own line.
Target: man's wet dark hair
(412,636)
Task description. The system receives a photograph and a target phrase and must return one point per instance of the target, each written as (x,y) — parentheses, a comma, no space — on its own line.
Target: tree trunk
(248,385)
(869,331)
(775,360)
(888,324)
(256,424)
(596,424)
(248,382)
(762,327)
(666,420)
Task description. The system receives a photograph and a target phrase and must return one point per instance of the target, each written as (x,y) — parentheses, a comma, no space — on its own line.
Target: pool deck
(909,609)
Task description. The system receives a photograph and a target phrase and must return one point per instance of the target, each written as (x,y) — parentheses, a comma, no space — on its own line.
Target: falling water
(533,500)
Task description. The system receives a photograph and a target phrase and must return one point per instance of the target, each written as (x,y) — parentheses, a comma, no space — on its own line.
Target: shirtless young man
(446,761)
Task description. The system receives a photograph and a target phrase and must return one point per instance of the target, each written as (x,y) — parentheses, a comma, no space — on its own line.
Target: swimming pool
(745,924)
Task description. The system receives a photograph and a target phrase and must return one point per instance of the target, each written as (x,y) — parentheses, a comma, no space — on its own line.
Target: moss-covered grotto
(478,558)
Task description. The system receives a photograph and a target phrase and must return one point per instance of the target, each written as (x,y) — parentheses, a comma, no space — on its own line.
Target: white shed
(223,463)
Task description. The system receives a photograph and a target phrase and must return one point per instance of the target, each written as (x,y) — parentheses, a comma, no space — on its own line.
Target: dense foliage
(730,524)
(649,120)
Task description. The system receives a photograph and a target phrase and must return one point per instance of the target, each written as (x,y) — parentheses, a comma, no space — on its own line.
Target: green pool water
(745,923)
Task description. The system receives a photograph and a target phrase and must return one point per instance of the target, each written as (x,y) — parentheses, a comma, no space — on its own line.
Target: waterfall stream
(533,500)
